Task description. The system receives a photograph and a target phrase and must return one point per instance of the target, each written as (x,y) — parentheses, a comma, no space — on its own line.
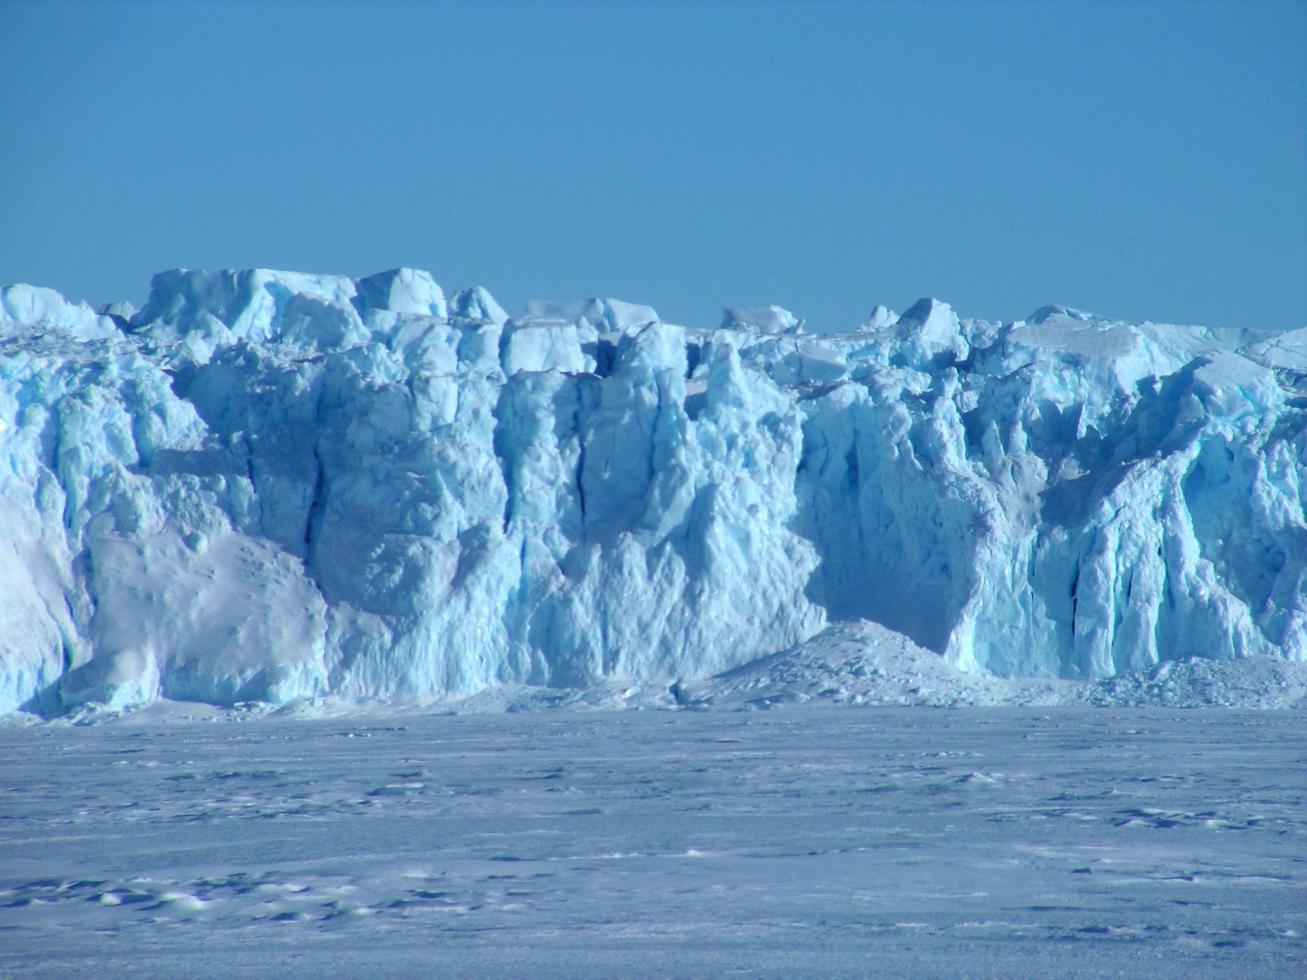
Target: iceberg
(266,486)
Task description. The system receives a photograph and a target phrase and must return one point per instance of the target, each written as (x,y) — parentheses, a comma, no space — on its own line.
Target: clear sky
(1143,160)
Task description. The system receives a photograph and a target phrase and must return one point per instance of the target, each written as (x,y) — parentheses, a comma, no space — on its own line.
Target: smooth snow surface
(270,486)
(800,842)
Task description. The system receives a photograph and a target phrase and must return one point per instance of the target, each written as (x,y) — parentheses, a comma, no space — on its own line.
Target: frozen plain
(810,840)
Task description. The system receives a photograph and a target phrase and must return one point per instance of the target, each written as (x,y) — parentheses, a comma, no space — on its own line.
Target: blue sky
(1144,160)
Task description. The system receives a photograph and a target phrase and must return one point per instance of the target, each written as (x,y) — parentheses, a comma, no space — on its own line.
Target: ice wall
(265,485)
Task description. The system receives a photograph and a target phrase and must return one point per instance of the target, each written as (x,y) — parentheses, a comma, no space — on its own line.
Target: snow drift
(268,485)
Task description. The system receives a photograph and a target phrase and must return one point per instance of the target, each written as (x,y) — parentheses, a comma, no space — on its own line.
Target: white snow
(803,842)
(271,486)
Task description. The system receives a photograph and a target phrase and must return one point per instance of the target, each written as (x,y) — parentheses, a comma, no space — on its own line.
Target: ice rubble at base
(269,486)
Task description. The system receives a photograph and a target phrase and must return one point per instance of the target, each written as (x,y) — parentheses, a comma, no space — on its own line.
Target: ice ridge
(269,485)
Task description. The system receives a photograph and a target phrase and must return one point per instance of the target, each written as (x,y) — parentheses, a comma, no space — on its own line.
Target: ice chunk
(542,345)
(26,308)
(602,315)
(250,304)
(1062,313)
(761,319)
(621,317)
(477,304)
(1287,350)
(881,317)
(401,291)
(930,330)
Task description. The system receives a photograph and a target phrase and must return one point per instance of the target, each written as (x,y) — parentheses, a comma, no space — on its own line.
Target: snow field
(995,842)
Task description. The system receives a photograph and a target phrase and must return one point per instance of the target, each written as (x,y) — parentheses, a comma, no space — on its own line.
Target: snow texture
(270,486)
(796,843)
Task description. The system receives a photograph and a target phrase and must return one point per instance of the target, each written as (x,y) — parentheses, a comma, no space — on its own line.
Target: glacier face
(267,485)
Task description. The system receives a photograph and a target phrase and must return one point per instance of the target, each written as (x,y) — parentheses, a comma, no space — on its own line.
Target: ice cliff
(266,485)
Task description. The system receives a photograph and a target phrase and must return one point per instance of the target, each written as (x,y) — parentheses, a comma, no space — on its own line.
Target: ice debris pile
(265,485)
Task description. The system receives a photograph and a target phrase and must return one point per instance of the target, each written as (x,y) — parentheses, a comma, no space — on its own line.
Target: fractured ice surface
(266,485)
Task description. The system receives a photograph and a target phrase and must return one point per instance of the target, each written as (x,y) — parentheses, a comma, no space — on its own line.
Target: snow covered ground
(809,840)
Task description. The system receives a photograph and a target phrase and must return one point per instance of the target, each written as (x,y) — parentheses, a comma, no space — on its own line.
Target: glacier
(264,486)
